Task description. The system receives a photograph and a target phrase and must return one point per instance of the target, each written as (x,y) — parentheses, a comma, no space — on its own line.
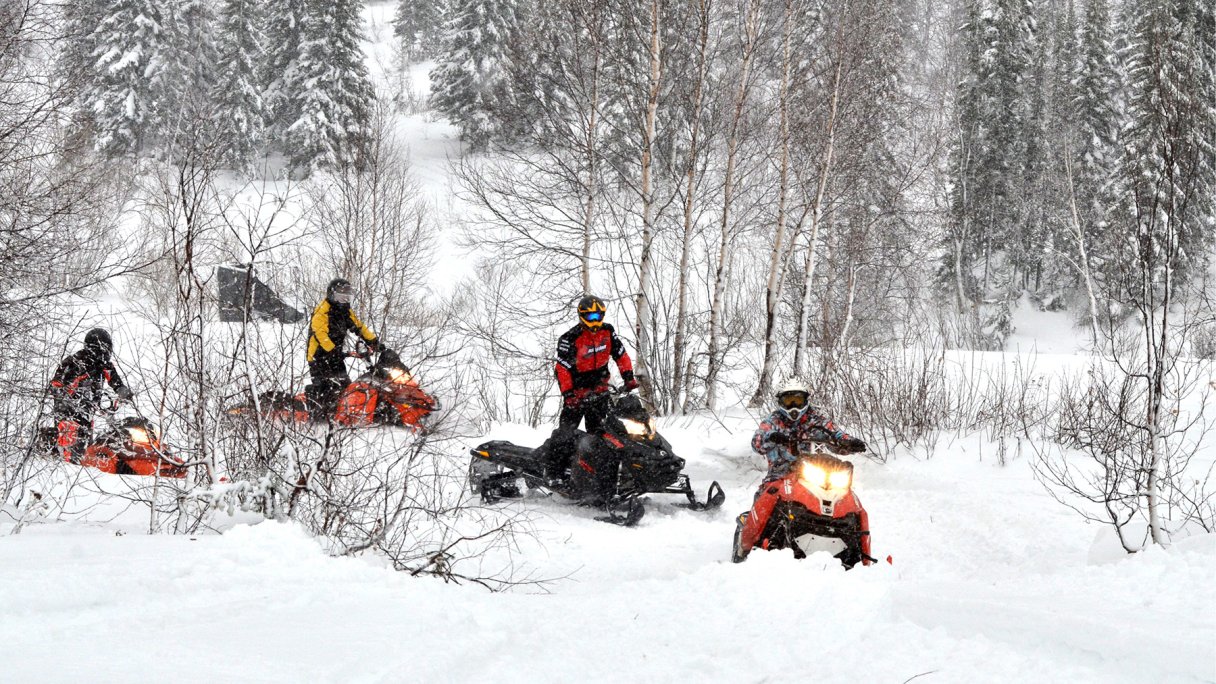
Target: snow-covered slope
(991,581)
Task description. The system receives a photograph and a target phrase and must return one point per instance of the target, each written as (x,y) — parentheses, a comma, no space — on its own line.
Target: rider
(582,373)
(331,321)
(76,391)
(793,424)
(779,439)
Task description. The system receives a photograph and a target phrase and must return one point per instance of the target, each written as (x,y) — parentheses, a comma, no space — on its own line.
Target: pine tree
(471,84)
(1096,88)
(237,95)
(419,26)
(1171,159)
(993,164)
(330,87)
(282,30)
(185,84)
(129,46)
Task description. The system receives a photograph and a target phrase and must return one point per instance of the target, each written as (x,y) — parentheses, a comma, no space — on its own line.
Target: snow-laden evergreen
(472,79)
(418,24)
(122,93)
(239,114)
(282,21)
(329,87)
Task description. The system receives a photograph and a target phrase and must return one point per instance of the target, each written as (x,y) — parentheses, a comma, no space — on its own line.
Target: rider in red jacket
(582,363)
(582,373)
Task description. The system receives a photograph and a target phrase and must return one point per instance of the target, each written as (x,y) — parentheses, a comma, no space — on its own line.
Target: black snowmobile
(610,469)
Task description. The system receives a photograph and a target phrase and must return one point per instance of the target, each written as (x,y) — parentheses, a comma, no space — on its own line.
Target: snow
(991,581)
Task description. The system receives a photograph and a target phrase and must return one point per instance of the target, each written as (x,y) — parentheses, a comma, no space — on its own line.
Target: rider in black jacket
(76,391)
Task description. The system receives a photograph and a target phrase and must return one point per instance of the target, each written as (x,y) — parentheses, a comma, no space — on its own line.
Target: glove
(781,439)
(124,393)
(631,382)
(570,399)
(852,445)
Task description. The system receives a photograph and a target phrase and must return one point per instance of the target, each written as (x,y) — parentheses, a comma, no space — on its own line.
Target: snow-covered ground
(991,581)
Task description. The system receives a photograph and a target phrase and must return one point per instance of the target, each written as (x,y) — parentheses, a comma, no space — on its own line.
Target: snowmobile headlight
(399,376)
(814,475)
(637,428)
(139,435)
(840,479)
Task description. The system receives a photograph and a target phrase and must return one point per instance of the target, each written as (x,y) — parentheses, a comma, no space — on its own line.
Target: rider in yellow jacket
(331,321)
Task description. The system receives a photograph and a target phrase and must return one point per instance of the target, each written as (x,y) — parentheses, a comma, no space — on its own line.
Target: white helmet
(793,397)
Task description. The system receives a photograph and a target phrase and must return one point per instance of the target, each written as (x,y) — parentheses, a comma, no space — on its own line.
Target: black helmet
(98,342)
(591,311)
(339,291)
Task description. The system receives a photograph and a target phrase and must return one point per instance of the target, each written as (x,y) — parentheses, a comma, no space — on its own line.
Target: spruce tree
(330,88)
(282,25)
(418,24)
(471,84)
(185,84)
(237,95)
(1097,120)
(120,93)
(1170,165)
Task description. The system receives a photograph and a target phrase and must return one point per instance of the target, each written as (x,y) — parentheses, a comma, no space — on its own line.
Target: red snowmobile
(130,446)
(386,393)
(813,508)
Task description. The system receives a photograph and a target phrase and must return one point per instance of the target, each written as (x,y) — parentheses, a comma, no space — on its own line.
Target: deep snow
(992,581)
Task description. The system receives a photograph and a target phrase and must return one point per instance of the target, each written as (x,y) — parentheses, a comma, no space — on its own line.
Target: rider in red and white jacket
(583,353)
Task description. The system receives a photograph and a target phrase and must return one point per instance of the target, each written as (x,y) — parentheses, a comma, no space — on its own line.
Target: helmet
(793,397)
(98,342)
(339,291)
(591,311)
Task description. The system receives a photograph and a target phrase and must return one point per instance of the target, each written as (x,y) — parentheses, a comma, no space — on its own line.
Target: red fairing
(583,355)
(789,488)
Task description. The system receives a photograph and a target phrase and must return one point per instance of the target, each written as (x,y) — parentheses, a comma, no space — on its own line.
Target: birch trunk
(817,220)
(680,344)
(776,270)
(592,155)
(644,266)
(728,188)
(1079,234)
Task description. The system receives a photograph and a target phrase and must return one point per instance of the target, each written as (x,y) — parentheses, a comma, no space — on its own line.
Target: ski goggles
(342,295)
(792,400)
(592,316)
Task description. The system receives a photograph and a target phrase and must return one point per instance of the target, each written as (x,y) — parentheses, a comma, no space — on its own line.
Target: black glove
(852,445)
(631,382)
(781,439)
(124,393)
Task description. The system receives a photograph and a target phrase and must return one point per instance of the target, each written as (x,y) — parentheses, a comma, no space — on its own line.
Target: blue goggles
(593,316)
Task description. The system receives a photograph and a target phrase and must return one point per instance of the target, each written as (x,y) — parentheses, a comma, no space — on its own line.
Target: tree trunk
(680,344)
(643,297)
(816,221)
(776,266)
(728,188)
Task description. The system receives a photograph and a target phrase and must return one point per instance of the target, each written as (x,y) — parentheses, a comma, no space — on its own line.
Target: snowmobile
(813,508)
(129,446)
(386,393)
(610,469)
